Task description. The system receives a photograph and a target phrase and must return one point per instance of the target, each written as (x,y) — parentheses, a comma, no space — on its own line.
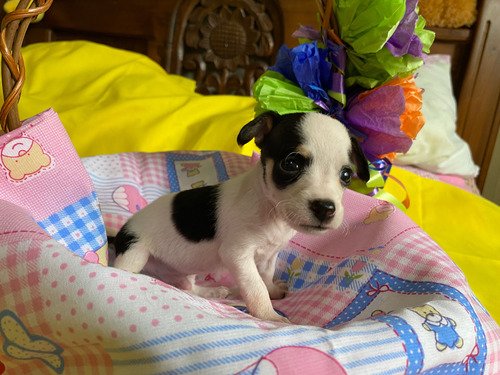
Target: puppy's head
(308,161)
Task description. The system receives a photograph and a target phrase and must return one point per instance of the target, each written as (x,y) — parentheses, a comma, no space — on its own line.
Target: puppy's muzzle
(323,210)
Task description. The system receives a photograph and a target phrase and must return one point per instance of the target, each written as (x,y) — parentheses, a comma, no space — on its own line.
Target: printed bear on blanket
(24,157)
(444,328)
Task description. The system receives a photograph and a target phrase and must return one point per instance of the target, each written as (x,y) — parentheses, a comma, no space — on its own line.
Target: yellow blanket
(115,101)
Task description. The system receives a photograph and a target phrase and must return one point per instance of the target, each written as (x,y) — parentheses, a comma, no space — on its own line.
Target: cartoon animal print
(191,168)
(98,256)
(377,313)
(379,213)
(198,184)
(129,198)
(22,345)
(23,157)
(444,328)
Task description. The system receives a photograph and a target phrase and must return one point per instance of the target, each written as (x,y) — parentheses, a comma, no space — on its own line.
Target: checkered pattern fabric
(235,164)
(304,272)
(79,227)
(20,287)
(151,167)
(415,263)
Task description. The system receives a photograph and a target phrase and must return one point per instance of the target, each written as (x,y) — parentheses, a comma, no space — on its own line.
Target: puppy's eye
(294,162)
(346,175)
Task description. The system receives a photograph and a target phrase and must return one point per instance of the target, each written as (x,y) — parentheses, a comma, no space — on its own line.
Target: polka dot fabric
(377,297)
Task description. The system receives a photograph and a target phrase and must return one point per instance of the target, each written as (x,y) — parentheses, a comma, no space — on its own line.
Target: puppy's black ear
(258,128)
(359,160)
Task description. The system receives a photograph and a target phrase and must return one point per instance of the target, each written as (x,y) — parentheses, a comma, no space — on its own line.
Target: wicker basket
(13,30)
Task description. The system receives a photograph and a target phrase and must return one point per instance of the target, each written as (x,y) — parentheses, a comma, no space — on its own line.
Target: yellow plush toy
(448,13)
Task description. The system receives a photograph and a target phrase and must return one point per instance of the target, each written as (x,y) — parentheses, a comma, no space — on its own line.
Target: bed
(405,290)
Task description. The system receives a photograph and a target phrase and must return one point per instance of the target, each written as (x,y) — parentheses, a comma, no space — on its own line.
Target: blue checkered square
(301,271)
(79,227)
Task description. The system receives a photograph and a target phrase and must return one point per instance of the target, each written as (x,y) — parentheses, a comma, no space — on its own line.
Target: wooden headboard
(226,44)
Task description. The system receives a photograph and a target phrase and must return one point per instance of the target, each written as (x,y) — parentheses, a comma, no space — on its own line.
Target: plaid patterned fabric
(348,274)
(79,227)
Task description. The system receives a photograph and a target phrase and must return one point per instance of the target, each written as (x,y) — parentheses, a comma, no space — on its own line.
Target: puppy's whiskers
(275,207)
(294,217)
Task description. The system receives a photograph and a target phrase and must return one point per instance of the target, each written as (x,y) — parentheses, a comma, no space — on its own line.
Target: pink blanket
(377,296)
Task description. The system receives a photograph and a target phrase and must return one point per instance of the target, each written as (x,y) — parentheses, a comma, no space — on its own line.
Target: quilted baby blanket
(377,296)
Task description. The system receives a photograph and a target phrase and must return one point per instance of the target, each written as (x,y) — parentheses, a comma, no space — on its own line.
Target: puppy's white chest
(273,240)
(281,237)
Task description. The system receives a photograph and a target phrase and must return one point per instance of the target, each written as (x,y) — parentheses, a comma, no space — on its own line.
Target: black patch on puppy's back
(123,240)
(194,213)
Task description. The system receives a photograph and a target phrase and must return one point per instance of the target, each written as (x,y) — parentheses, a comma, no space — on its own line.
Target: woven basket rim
(13,30)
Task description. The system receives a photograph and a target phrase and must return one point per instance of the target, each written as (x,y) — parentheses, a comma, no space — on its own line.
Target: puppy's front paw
(278,290)
(271,316)
(279,319)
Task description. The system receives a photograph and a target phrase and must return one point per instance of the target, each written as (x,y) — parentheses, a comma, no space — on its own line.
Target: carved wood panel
(225,45)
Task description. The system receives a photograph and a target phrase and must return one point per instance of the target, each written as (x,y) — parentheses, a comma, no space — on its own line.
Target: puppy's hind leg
(134,259)
(131,253)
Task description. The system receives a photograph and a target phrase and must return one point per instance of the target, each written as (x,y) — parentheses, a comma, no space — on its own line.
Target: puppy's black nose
(324,210)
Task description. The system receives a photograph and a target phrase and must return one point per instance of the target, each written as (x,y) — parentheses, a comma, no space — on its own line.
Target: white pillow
(438,148)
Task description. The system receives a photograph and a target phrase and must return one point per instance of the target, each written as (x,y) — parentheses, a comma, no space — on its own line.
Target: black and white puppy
(241,224)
